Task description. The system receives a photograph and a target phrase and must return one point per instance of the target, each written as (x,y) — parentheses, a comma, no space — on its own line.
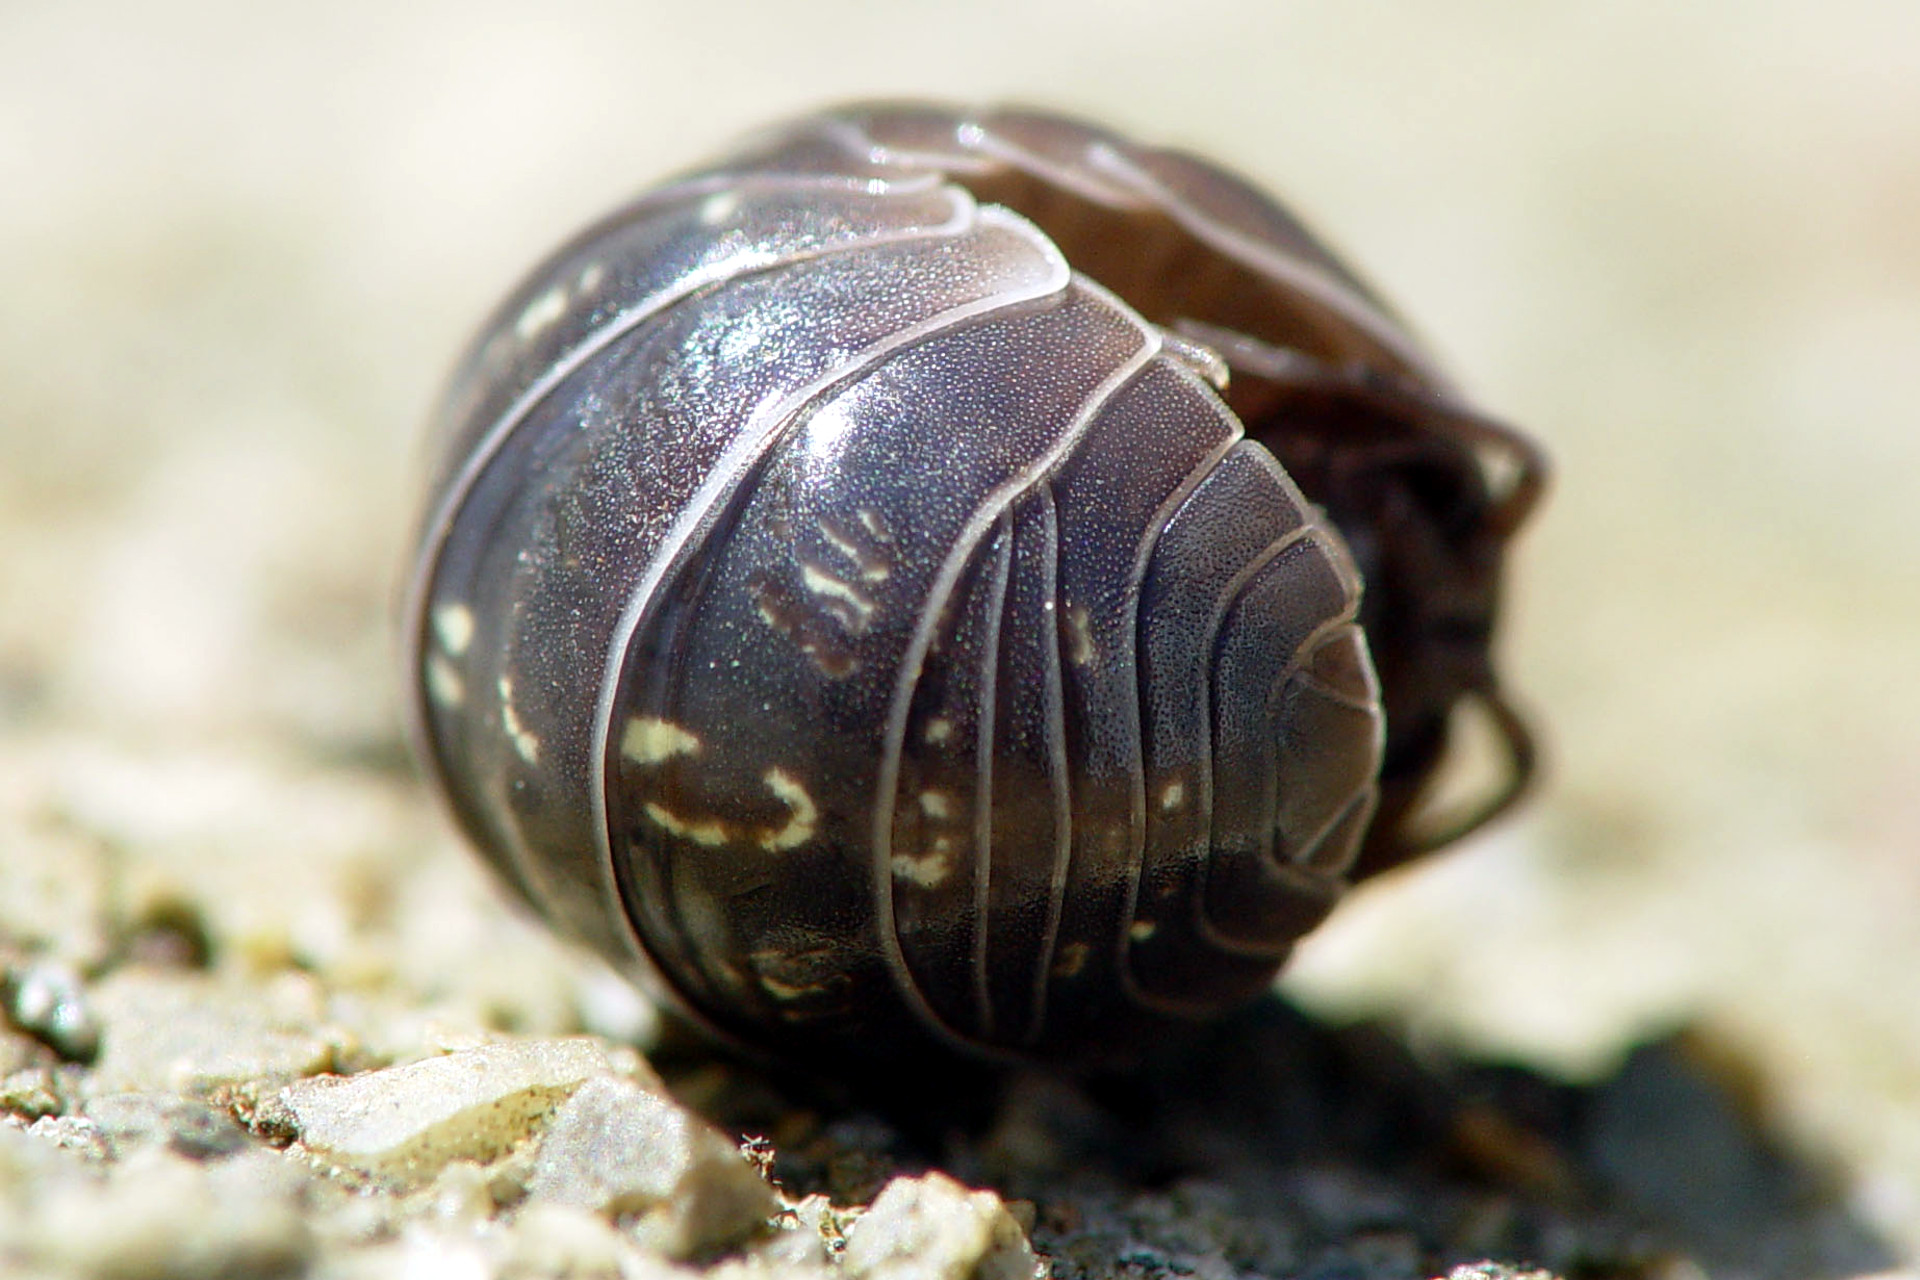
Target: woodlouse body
(849,599)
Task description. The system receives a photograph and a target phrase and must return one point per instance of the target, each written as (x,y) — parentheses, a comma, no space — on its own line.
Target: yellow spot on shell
(873,567)
(802,815)
(936,804)
(928,872)
(1173,795)
(802,819)
(453,627)
(649,740)
(939,729)
(1141,930)
(541,313)
(1080,648)
(525,742)
(874,523)
(788,991)
(829,587)
(707,831)
(444,684)
(1072,959)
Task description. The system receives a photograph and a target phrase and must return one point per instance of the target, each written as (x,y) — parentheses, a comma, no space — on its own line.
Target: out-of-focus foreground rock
(260,1015)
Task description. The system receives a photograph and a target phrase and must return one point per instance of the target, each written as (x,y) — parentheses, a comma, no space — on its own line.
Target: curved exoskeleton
(953,579)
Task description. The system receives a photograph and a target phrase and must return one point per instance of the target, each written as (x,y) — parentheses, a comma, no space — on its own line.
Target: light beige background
(239,244)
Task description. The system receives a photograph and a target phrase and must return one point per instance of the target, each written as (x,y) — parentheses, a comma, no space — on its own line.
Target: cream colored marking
(590,279)
(1141,930)
(929,872)
(787,991)
(649,740)
(939,729)
(444,684)
(541,313)
(936,804)
(718,207)
(841,543)
(872,567)
(801,819)
(1173,795)
(705,831)
(1079,635)
(453,627)
(525,741)
(871,521)
(1072,959)
(822,583)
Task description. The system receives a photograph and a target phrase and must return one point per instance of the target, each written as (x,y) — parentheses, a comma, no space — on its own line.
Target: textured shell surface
(867,590)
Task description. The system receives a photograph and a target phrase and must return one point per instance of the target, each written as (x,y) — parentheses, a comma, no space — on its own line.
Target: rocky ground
(247,1056)
(261,1015)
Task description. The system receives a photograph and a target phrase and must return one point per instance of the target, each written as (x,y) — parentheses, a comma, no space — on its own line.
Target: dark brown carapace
(960,580)
(1427,491)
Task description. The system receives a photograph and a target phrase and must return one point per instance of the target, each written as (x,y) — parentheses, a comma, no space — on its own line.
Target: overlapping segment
(1243,585)
(1051,821)
(606,475)
(1048,764)
(1272,807)
(794,630)
(639,261)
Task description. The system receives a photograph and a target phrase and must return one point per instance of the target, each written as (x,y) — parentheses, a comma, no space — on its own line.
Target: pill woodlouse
(849,598)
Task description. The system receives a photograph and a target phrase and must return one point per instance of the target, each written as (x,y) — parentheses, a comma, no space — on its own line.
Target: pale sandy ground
(239,244)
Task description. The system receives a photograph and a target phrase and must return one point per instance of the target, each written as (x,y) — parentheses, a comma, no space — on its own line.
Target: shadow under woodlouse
(1337,1138)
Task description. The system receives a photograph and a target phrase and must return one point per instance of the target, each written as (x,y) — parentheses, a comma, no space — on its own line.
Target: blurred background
(241,243)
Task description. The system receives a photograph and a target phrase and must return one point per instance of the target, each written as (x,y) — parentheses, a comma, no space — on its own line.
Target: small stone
(161,1217)
(185,1126)
(626,1152)
(793,1248)
(72,1133)
(190,1033)
(933,1228)
(48,1002)
(30,1094)
(461,1196)
(807,1236)
(551,1239)
(402,1125)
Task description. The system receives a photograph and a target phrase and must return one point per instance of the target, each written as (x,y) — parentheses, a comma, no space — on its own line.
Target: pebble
(160,1217)
(48,1001)
(550,1239)
(185,1126)
(626,1152)
(933,1228)
(191,1033)
(402,1125)
(30,1094)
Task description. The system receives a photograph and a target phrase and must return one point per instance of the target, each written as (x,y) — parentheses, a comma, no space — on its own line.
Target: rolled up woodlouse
(920,582)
